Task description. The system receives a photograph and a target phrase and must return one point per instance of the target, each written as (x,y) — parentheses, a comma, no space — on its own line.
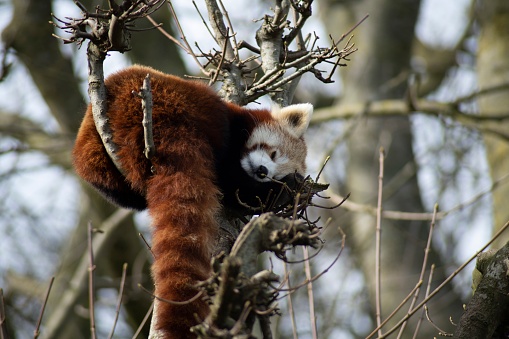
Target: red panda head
(276,148)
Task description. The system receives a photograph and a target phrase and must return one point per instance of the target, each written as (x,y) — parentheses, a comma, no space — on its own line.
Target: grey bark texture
(493,69)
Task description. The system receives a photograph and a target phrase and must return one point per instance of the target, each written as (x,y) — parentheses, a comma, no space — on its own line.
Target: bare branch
(91,282)
(187,47)
(145,319)
(424,264)
(311,299)
(145,94)
(3,326)
(400,107)
(378,244)
(45,302)
(119,301)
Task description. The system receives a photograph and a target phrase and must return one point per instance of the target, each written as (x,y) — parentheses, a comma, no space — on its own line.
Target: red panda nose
(262,172)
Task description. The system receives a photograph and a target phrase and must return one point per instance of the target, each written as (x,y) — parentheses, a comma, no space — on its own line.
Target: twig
(301,14)
(221,61)
(219,28)
(440,331)
(3,329)
(351,30)
(147,244)
(204,22)
(145,94)
(378,244)
(396,310)
(314,278)
(483,91)
(39,320)
(187,48)
(233,34)
(173,302)
(166,34)
(290,302)
(312,316)
(91,288)
(144,321)
(119,301)
(428,288)
(424,264)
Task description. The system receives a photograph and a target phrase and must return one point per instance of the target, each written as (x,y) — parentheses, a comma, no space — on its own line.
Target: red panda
(209,154)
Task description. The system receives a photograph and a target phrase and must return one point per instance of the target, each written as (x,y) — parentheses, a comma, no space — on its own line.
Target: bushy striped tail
(183,206)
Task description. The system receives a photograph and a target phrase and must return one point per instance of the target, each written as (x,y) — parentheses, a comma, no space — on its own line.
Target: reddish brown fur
(191,127)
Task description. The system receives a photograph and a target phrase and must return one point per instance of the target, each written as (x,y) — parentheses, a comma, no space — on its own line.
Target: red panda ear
(294,117)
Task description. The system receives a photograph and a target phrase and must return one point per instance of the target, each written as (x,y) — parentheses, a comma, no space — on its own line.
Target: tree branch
(400,107)
(54,145)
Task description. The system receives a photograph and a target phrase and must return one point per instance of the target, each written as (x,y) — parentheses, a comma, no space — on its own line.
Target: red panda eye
(273,155)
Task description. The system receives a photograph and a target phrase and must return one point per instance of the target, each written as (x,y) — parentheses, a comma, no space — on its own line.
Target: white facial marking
(265,134)
(254,161)
(268,157)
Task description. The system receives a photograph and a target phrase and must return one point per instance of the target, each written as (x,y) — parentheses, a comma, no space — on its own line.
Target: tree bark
(493,69)
(488,310)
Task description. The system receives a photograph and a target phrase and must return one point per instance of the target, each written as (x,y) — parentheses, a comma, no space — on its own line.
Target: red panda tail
(183,202)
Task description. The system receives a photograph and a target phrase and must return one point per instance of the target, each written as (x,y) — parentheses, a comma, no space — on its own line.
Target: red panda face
(276,148)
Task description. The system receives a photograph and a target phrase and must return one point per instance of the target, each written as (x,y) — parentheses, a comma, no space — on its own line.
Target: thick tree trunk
(492,70)
(379,70)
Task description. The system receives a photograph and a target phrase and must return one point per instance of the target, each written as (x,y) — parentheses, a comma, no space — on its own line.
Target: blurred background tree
(429,84)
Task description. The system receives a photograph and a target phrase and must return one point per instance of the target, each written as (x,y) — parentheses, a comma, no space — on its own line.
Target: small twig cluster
(226,64)
(236,300)
(109,28)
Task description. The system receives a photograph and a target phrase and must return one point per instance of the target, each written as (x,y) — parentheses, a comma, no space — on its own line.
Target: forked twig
(396,310)
(317,276)
(428,288)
